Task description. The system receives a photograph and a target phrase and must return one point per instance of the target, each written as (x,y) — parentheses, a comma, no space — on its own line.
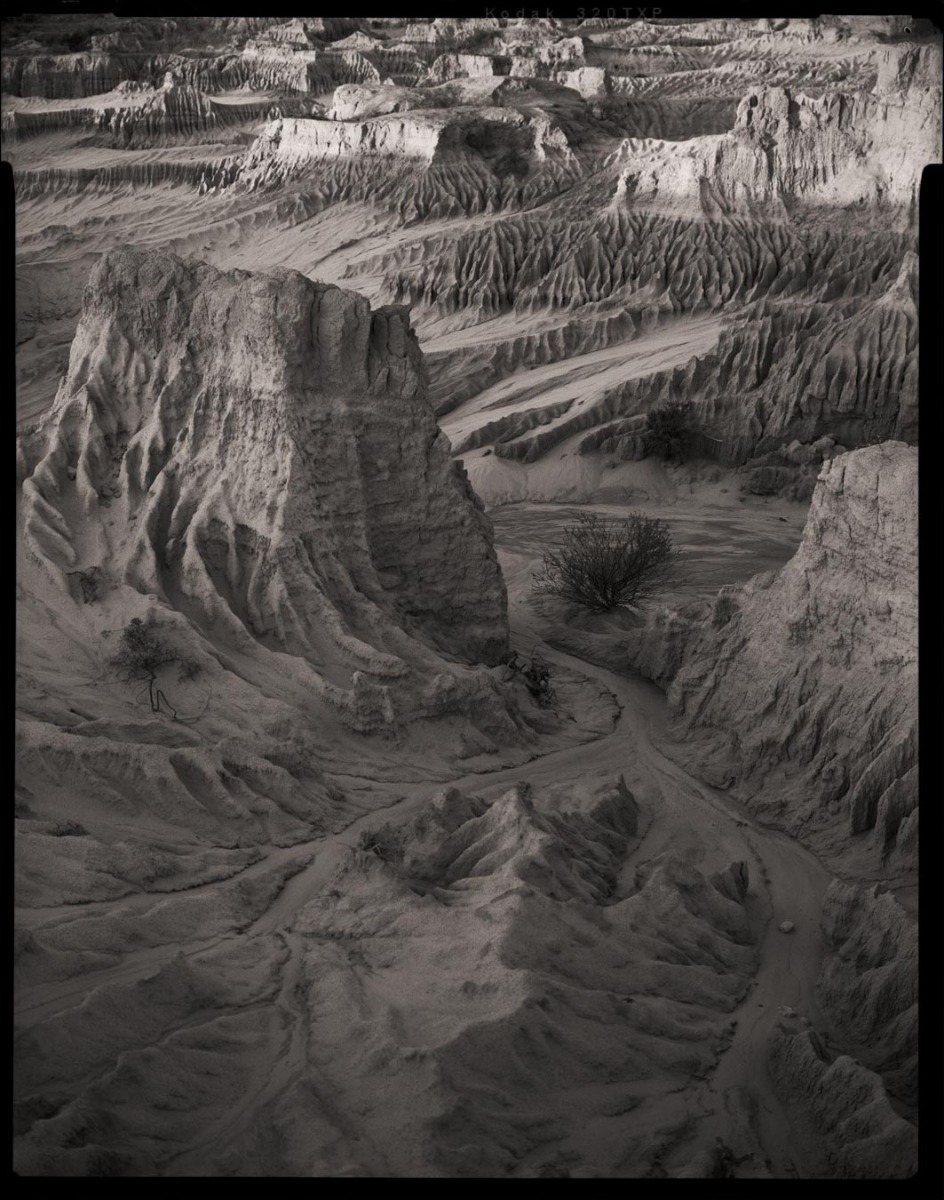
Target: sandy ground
(585,378)
(722,540)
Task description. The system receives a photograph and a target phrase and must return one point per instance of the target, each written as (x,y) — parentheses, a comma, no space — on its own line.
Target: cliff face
(137,117)
(454,30)
(262,67)
(462,66)
(289,145)
(799,689)
(843,1110)
(67,75)
(500,140)
(809,676)
(259,451)
(869,982)
(787,147)
(352,101)
(176,110)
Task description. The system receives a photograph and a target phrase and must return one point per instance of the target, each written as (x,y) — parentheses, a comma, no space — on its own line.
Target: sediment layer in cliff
(808,678)
(249,448)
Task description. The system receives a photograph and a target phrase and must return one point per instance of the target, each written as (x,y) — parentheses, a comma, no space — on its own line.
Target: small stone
(787,927)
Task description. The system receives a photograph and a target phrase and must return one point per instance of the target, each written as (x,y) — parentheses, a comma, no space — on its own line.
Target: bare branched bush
(606,564)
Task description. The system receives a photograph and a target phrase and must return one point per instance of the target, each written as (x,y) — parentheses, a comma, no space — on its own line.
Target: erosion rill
(327,329)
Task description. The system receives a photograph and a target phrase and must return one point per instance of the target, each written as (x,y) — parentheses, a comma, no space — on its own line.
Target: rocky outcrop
(787,148)
(841,1107)
(800,687)
(502,140)
(290,35)
(17,125)
(352,101)
(453,30)
(532,58)
(174,111)
(397,64)
(789,375)
(464,66)
(667,71)
(868,987)
(302,71)
(644,32)
(854,1090)
(646,258)
(908,73)
(458,186)
(811,684)
(265,451)
(848,370)
(356,101)
(258,66)
(287,147)
(68,75)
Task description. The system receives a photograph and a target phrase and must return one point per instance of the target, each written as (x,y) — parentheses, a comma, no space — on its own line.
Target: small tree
(669,430)
(605,564)
(535,674)
(140,654)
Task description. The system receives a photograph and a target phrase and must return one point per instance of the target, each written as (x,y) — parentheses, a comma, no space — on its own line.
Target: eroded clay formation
(369,864)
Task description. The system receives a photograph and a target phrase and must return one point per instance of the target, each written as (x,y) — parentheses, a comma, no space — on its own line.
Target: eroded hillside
(326,328)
